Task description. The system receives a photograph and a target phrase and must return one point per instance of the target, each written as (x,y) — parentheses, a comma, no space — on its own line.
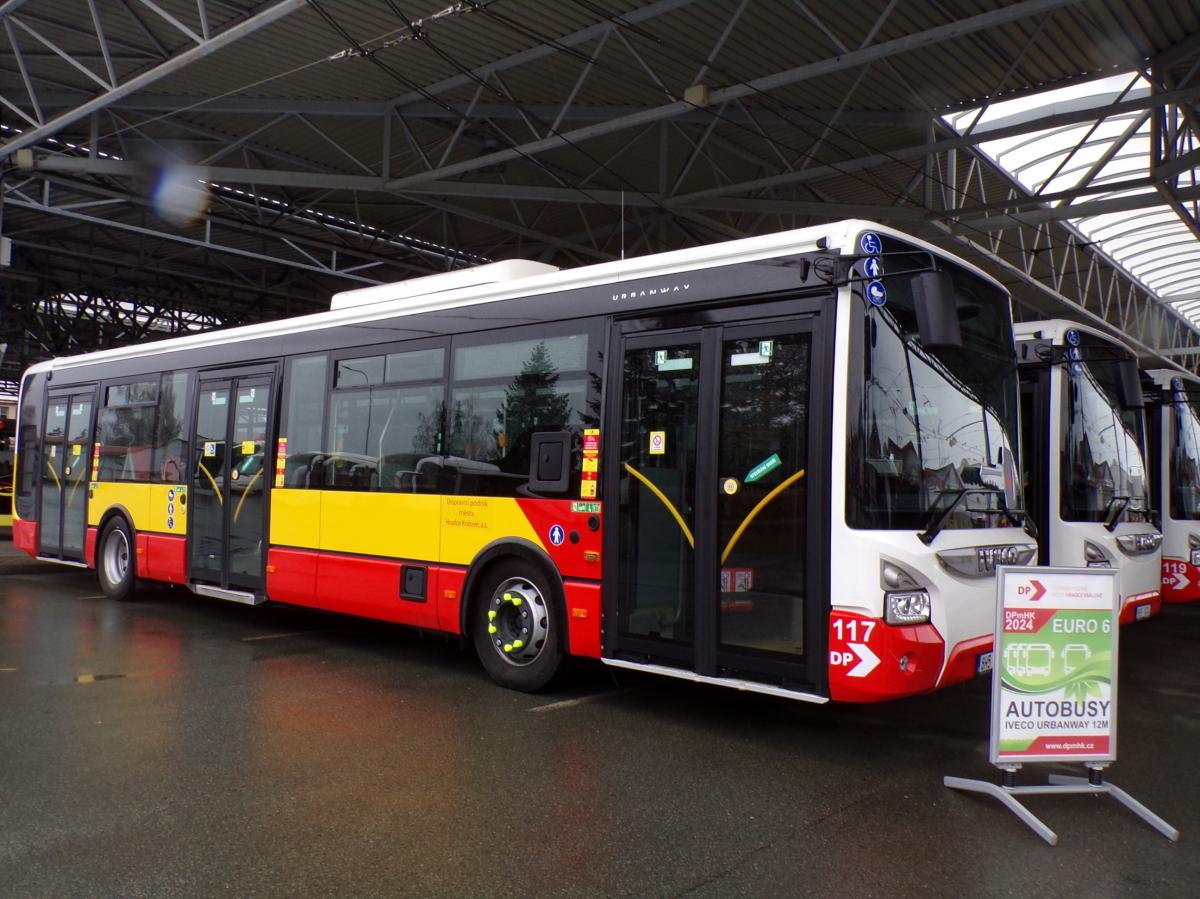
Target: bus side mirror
(937,310)
(1129,385)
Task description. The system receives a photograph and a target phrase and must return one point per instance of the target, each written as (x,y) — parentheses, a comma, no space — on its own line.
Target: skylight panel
(1152,243)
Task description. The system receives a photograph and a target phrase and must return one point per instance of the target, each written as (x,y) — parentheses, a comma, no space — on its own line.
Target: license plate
(983,663)
(1141,612)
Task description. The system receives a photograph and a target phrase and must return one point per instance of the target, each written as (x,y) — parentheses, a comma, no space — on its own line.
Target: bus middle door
(227,531)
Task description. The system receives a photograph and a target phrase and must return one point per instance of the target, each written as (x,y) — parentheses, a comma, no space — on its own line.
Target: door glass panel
(247,480)
(657,488)
(208,480)
(77,457)
(763,454)
(52,465)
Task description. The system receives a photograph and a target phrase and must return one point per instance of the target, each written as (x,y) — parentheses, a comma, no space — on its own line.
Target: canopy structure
(172,165)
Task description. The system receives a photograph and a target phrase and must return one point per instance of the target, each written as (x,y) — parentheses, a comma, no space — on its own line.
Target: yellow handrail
(213,481)
(238,511)
(754,512)
(57,482)
(666,502)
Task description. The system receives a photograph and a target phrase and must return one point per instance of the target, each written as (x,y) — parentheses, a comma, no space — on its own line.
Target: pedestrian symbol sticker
(557,535)
(873,267)
(876,293)
(870,243)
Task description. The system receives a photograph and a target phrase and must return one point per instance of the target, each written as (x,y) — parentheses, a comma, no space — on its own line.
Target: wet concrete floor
(179,746)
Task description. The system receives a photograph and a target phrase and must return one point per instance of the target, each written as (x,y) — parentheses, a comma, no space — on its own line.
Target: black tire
(514,624)
(116,559)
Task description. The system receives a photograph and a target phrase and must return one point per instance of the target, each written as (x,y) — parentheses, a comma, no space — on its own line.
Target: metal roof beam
(233,105)
(542,50)
(145,79)
(760,85)
(315,267)
(473,190)
(1063,213)
(11,6)
(921,151)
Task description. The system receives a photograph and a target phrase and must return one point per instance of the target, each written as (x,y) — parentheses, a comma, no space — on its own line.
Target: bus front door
(67,459)
(711,490)
(228,489)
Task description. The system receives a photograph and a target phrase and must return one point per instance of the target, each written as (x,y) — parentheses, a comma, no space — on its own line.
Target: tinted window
(171,430)
(503,394)
(126,432)
(384,438)
(28,445)
(385,435)
(304,425)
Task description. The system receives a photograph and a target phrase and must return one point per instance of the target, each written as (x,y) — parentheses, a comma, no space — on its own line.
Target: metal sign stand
(1059,784)
(1054,688)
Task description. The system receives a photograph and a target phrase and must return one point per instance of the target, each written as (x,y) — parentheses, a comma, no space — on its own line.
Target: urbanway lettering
(1038,708)
(650,292)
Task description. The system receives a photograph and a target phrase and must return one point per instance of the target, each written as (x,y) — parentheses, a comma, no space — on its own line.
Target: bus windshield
(1103,472)
(932,431)
(1185,463)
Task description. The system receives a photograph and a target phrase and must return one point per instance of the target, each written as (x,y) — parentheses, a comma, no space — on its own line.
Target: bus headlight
(1095,556)
(910,607)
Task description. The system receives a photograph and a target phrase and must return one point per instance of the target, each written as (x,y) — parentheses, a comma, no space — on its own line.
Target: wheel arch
(503,550)
(116,510)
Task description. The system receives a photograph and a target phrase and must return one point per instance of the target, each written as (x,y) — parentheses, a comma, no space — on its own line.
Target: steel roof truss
(145,79)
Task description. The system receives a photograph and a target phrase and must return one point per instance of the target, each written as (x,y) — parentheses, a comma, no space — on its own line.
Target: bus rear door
(63,488)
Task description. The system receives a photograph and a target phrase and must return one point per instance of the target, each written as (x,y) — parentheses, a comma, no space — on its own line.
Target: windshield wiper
(938,520)
(1113,511)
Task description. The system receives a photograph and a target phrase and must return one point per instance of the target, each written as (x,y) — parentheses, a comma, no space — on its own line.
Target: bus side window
(304,423)
(171,430)
(503,394)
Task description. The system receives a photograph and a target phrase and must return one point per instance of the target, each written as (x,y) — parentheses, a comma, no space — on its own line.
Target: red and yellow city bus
(785,464)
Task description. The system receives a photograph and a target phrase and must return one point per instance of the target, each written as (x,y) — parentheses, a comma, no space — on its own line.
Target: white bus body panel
(1140,577)
(1180,578)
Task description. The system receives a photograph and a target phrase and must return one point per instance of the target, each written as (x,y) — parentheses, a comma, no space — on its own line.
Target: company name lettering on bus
(462,513)
(650,292)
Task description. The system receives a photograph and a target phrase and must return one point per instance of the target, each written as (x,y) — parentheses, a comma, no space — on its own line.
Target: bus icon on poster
(1074,655)
(1028,659)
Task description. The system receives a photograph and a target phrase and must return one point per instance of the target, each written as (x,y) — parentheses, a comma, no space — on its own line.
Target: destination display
(1055,686)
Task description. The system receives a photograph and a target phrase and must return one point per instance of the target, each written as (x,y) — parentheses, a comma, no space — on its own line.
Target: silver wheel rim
(116,556)
(517,621)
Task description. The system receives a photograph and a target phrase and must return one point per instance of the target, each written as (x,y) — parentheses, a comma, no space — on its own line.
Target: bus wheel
(515,627)
(116,561)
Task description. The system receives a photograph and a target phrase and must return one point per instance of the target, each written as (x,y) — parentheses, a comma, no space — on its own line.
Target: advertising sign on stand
(1054,693)
(1054,688)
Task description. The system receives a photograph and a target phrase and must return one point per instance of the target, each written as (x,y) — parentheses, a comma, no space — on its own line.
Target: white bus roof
(440,292)
(1055,330)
